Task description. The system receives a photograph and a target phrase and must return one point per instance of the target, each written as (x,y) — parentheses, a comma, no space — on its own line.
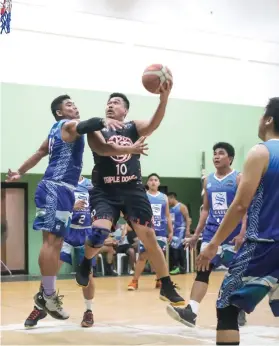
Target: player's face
(221,158)
(68,110)
(171,201)
(153,183)
(116,109)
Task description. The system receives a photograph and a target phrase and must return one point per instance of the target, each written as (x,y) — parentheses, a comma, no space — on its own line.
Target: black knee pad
(227,318)
(204,276)
(97,237)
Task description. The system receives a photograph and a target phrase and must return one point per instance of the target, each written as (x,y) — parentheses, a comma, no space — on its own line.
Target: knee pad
(97,237)
(204,276)
(227,318)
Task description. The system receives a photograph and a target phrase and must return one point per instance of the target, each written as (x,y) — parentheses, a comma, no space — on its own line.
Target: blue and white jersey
(263,214)
(81,219)
(158,205)
(220,193)
(65,159)
(179,225)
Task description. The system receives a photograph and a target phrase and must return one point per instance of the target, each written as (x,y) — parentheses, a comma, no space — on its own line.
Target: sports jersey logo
(156,209)
(219,201)
(124,142)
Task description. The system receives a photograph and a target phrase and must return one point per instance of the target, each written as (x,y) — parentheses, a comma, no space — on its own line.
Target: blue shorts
(162,243)
(54,206)
(253,273)
(74,242)
(225,254)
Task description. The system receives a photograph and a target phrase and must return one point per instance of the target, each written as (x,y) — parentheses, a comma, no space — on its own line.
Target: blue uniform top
(178,220)
(65,159)
(220,193)
(158,204)
(263,214)
(81,219)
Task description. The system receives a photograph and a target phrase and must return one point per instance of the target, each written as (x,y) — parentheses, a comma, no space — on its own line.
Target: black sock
(86,263)
(227,343)
(166,281)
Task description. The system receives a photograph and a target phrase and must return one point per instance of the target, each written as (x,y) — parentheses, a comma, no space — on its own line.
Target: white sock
(88,304)
(195,306)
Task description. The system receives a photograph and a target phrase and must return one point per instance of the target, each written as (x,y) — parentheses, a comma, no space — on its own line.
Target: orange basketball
(154,76)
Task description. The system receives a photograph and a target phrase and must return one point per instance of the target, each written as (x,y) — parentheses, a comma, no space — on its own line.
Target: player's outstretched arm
(28,164)
(146,127)
(71,130)
(97,144)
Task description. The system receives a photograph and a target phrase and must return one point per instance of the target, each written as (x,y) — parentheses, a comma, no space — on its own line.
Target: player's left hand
(164,91)
(237,241)
(205,257)
(113,124)
(139,147)
(12,176)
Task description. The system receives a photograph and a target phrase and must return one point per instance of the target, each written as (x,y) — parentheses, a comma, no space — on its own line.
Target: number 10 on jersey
(121,169)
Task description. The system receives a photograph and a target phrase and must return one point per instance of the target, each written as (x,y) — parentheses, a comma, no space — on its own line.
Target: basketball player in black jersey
(118,187)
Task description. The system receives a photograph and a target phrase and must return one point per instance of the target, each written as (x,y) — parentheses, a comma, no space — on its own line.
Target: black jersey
(121,169)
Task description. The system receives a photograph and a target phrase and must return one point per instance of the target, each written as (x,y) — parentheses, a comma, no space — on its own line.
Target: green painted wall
(189,128)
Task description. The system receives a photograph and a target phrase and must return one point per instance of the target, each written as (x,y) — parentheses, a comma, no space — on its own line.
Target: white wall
(221,51)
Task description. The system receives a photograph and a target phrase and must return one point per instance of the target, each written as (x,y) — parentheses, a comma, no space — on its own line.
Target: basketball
(154,76)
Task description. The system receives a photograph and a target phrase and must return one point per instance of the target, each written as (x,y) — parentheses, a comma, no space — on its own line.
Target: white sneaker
(131,272)
(53,306)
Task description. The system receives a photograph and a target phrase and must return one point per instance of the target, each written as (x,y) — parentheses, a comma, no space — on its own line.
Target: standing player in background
(254,272)
(219,191)
(118,187)
(79,229)
(162,226)
(54,197)
(181,228)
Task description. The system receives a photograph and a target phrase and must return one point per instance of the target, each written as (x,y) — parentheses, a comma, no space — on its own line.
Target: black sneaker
(52,305)
(183,315)
(82,275)
(241,318)
(34,317)
(169,294)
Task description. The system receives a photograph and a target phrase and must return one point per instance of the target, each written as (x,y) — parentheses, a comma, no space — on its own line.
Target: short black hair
(56,104)
(226,146)
(153,175)
(172,194)
(123,97)
(272,110)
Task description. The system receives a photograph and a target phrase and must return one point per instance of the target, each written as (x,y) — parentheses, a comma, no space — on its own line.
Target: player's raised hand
(164,91)
(139,147)
(12,176)
(113,124)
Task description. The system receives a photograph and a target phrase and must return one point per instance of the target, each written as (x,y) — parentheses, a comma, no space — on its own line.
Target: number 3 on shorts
(81,220)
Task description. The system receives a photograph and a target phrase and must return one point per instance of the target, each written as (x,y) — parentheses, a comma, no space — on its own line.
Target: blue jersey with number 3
(158,204)
(81,219)
(65,159)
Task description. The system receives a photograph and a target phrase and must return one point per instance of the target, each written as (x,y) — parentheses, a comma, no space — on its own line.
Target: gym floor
(124,318)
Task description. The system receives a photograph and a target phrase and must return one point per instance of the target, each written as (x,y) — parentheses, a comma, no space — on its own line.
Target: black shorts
(123,248)
(107,202)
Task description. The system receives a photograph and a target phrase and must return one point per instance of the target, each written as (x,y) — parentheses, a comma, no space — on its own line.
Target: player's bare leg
(157,259)
(88,294)
(100,231)
(133,285)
